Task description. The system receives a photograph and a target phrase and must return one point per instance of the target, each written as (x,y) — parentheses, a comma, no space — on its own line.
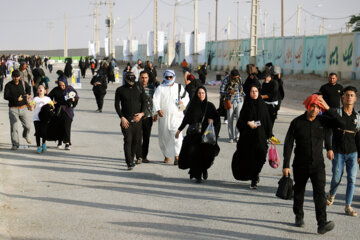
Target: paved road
(87,193)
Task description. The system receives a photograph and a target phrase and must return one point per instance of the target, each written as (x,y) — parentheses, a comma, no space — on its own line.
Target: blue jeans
(338,164)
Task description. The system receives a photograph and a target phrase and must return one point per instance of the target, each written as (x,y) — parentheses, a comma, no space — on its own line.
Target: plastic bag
(209,135)
(274,160)
(285,189)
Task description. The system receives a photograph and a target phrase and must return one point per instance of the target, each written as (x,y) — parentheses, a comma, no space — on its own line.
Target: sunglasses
(169,77)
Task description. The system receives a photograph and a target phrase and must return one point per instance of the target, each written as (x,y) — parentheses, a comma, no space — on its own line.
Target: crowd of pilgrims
(249,109)
(53,111)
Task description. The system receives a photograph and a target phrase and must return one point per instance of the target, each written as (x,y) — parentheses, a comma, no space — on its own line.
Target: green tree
(355,23)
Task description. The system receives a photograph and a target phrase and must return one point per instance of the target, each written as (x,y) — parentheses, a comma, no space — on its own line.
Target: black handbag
(285,189)
(195,128)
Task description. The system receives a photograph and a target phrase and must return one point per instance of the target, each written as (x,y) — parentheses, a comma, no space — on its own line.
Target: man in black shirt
(346,148)
(332,91)
(269,93)
(308,131)
(16,93)
(130,106)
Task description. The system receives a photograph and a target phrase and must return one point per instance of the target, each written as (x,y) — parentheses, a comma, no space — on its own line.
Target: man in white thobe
(170,104)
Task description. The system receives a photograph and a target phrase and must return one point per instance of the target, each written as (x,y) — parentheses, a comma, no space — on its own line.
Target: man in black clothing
(270,94)
(147,121)
(332,91)
(308,131)
(202,73)
(16,93)
(130,106)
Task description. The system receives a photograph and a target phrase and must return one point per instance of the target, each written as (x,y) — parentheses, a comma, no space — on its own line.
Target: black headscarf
(255,109)
(197,108)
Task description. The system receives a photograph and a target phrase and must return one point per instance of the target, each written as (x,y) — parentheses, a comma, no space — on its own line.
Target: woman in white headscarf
(170,100)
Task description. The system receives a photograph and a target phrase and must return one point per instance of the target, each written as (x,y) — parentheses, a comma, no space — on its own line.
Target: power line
(326,18)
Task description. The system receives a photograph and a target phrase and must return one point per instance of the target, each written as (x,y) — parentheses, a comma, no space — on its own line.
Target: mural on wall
(308,64)
(289,53)
(298,54)
(334,56)
(320,53)
(347,55)
(279,52)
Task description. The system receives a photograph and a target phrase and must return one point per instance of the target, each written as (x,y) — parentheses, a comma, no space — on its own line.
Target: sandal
(350,211)
(330,199)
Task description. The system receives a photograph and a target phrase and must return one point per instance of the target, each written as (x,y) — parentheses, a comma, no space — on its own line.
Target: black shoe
(205,175)
(198,180)
(131,167)
(299,222)
(326,227)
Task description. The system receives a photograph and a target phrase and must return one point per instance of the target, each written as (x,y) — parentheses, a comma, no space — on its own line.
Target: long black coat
(194,154)
(251,149)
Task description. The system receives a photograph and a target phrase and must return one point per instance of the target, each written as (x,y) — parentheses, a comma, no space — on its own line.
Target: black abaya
(194,154)
(251,149)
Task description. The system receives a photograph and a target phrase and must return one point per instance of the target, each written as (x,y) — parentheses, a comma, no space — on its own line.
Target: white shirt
(39,102)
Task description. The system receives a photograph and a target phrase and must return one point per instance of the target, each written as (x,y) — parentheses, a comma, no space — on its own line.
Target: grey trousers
(17,115)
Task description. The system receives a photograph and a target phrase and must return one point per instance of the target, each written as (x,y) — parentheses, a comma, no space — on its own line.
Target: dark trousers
(67,128)
(146,132)
(99,99)
(1,83)
(273,114)
(132,141)
(40,132)
(50,66)
(317,176)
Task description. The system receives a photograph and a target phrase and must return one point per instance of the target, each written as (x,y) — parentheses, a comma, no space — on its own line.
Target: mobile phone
(257,123)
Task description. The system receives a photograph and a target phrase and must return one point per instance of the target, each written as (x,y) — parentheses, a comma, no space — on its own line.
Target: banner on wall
(150,44)
(91,49)
(189,47)
(134,50)
(106,44)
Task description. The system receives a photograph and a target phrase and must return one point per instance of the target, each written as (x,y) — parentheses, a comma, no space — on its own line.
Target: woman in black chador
(194,154)
(255,128)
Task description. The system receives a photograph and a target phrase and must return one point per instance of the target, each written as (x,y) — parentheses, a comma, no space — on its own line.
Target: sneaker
(14,148)
(299,222)
(253,184)
(138,161)
(44,147)
(59,146)
(67,147)
(326,227)
(330,199)
(226,121)
(231,141)
(350,211)
(39,149)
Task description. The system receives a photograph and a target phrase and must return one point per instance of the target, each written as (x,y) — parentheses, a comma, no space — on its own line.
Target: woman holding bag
(195,154)
(255,129)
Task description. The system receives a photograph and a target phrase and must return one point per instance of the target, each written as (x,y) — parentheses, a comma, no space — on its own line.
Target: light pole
(174,31)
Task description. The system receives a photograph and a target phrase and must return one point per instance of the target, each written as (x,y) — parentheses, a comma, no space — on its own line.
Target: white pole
(65,37)
(155,31)
(96,37)
(298,20)
(228,28)
(253,31)
(130,35)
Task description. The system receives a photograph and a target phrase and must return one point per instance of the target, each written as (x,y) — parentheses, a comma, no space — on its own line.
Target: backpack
(339,111)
